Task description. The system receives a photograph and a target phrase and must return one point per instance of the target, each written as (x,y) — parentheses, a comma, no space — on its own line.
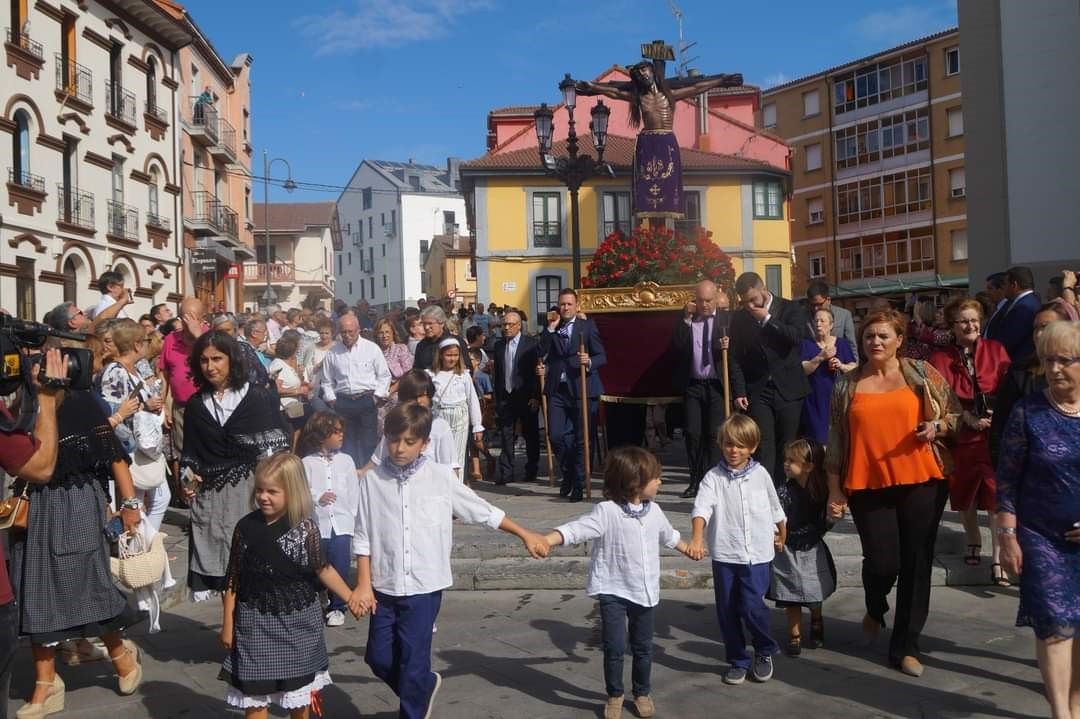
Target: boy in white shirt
(402,543)
(747,526)
(417,386)
(331,475)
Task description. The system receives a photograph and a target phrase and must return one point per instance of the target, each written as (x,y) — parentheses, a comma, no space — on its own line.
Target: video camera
(17,336)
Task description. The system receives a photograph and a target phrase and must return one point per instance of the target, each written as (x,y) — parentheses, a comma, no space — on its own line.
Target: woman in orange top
(886,459)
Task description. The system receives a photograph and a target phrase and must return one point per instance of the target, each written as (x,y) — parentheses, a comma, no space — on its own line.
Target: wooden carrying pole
(585,423)
(726,380)
(547,429)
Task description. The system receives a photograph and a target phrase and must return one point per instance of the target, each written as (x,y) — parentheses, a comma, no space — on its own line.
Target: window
(424,247)
(392,230)
(547,295)
(21,149)
(350,284)
(118,179)
(815,211)
(813,157)
(348,258)
(547,219)
(886,254)
(247,123)
(337,257)
(768,115)
(957,182)
(616,217)
(71,281)
(817,266)
(692,219)
(768,200)
(370,262)
(879,82)
(153,215)
(423,281)
(811,103)
(384,250)
(774,277)
(896,194)
(151,85)
(24,289)
(959,245)
(260,254)
(956,121)
(952,60)
(449,222)
(414,182)
(384,281)
(247,203)
(195,89)
(371,227)
(365,194)
(371,287)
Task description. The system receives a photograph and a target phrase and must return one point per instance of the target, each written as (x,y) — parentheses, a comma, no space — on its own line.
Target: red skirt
(973,482)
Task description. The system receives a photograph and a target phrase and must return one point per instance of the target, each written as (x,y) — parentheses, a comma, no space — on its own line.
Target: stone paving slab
(536,654)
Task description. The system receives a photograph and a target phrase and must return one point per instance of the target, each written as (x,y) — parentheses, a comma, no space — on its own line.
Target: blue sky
(338,81)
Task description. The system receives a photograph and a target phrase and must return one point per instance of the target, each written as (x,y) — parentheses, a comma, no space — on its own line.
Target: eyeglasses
(1059,360)
(966,323)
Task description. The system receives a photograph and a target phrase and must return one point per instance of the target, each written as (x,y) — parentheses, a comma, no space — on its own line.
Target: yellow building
(448,269)
(521,218)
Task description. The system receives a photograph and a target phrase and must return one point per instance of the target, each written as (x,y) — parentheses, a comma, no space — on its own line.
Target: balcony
(26,181)
(25,55)
(155,220)
(279,272)
(202,124)
(120,108)
(75,208)
(895,253)
(622,226)
(157,112)
(25,191)
(211,217)
(123,222)
(225,147)
(74,84)
(547,234)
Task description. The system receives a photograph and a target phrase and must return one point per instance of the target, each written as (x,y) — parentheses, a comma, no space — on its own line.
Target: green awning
(871,287)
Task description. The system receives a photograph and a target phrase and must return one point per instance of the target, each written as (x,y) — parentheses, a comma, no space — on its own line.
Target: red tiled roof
(515,110)
(619,153)
(297,216)
(447,243)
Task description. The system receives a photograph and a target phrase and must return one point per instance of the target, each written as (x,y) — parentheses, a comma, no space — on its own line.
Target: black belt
(366,393)
(703,381)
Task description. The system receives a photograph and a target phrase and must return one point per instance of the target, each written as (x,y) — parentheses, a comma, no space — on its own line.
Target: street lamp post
(269,296)
(574,169)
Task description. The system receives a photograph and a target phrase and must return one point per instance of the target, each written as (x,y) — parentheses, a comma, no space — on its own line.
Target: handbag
(147,472)
(140,564)
(294,410)
(15,511)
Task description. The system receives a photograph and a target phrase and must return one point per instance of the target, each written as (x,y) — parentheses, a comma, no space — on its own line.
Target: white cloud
(384,23)
(776,78)
(904,23)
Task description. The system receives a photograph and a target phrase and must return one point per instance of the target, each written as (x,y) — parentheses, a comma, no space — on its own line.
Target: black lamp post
(574,169)
(269,296)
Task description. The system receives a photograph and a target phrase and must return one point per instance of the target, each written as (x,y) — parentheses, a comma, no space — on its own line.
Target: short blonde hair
(1062,336)
(739,430)
(125,334)
(959,304)
(287,471)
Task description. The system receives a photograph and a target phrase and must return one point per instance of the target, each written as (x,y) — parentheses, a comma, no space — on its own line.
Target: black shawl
(227,455)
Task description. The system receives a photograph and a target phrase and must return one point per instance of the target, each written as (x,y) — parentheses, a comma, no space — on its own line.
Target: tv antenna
(683,46)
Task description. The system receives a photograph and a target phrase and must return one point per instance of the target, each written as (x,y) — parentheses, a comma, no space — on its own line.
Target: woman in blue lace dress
(1039,511)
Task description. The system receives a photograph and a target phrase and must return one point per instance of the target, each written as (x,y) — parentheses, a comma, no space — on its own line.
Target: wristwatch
(131,503)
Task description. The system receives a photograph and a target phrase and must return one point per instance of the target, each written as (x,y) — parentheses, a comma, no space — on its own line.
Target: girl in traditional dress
(273,620)
(455,398)
(803,575)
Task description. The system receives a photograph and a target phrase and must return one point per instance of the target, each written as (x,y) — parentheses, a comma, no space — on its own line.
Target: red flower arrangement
(658,255)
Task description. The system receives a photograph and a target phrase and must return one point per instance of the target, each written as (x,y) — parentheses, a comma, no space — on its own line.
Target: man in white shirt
(275,324)
(355,379)
(114,297)
(402,542)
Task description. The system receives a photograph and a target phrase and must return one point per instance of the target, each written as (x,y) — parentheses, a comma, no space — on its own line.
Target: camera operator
(30,457)
(114,298)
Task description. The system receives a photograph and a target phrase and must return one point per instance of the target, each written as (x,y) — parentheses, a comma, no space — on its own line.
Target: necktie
(706,354)
(509,367)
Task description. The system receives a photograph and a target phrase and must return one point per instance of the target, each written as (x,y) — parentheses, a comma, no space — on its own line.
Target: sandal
(998,575)
(794,646)
(973,557)
(130,682)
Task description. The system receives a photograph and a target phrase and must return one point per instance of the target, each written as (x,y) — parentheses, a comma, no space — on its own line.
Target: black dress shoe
(564,490)
(690,492)
(575,496)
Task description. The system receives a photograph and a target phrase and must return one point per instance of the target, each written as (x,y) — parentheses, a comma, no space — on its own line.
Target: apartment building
(448,269)
(389,212)
(90,106)
(214,97)
(297,252)
(879,188)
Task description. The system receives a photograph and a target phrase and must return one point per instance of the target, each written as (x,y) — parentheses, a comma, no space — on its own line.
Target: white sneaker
(335,618)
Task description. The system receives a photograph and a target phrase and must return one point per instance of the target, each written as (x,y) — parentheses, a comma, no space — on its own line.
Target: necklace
(1061,407)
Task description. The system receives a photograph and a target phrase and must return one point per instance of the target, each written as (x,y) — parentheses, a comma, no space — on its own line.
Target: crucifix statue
(657,163)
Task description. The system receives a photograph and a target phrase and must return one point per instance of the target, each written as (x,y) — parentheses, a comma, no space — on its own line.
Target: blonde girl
(455,398)
(273,623)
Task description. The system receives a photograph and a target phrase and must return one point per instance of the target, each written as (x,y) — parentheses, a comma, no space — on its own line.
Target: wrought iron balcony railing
(123,220)
(120,103)
(74,80)
(75,206)
(22,40)
(23,178)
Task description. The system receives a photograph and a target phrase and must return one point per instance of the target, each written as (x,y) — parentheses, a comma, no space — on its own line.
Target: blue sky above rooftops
(337,82)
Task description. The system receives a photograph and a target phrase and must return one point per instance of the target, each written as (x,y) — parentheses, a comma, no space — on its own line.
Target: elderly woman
(885,459)
(434,322)
(1038,495)
(60,565)
(224,322)
(398,357)
(291,380)
(823,360)
(229,425)
(974,368)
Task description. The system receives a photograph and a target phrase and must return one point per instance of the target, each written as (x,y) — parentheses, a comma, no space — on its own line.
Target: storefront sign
(233,273)
(203,261)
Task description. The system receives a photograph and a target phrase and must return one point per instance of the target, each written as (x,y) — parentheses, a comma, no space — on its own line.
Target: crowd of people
(310,443)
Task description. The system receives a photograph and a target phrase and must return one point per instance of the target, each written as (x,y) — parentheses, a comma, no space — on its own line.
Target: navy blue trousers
(567,438)
(338,551)
(361,427)
(615,614)
(399,648)
(740,599)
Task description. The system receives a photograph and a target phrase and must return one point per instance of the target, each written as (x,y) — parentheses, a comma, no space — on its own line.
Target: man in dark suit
(517,397)
(767,378)
(698,341)
(567,344)
(1012,324)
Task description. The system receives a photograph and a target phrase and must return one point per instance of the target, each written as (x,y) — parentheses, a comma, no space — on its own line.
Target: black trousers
(511,410)
(704,404)
(778,420)
(9,642)
(898,527)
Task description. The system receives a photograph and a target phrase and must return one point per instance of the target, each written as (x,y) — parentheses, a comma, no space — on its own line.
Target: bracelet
(1002,531)
(131,503)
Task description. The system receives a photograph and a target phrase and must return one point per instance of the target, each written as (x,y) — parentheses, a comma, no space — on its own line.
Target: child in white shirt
(416,386)
(746,525)
(402,543)
(455,398)
(331,475)
(624,571)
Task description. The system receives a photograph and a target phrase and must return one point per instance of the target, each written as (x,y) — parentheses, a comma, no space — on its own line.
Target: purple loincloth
(657,175)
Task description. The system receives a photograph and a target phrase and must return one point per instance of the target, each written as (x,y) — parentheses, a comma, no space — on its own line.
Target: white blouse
(289,379)
(222,409)
(452,390)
